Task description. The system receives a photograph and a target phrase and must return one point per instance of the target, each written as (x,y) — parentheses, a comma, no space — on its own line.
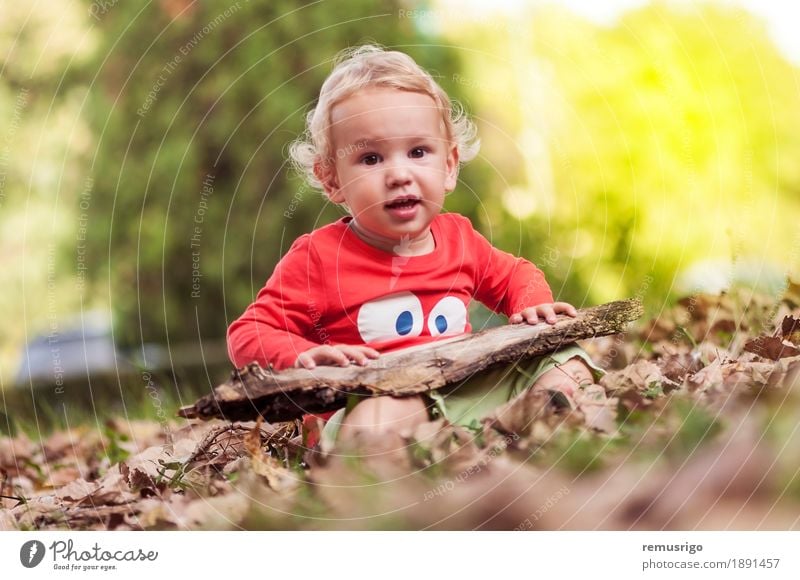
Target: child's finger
(548,313)
(566,308)
(325,355)
(366,353)
(530,316)
(337,356)
(515,318)
(305,361)
(355,353)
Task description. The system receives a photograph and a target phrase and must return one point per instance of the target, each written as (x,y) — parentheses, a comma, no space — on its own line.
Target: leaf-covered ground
(695,427)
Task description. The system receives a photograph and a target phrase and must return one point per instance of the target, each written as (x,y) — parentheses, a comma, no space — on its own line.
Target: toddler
(385,142)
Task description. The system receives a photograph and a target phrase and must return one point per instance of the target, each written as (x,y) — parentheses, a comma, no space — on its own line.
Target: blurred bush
(193,107)
(631,152)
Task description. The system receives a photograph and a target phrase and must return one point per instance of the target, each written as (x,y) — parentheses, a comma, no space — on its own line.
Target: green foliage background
(669,144)
(622,159)
(226,113)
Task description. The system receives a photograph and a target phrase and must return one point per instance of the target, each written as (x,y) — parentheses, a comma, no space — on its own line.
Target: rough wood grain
(287,395)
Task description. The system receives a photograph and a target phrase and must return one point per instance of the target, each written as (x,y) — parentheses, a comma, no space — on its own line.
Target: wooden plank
(287,395)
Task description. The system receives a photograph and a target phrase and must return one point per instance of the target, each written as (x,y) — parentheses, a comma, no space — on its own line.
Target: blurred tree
(43,144)
(663,141)
(193,108)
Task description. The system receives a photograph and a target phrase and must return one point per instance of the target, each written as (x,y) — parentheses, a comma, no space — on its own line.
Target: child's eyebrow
(372,141)
(356,146)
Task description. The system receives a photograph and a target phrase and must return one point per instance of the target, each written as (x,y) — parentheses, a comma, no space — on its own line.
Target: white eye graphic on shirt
(394,316)
(449,316)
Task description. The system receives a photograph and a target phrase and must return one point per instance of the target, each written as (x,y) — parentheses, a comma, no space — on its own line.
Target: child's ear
(451,167)
(325,172)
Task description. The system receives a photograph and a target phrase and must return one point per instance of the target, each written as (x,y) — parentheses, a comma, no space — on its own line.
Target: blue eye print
(449,317)
(391,317)
(405,322)
(441,324)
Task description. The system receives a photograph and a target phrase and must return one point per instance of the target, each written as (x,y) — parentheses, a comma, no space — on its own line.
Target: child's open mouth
(402,203)
(404,207)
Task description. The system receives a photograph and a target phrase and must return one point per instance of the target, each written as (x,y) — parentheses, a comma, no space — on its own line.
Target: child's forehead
(369,115)
(383,100)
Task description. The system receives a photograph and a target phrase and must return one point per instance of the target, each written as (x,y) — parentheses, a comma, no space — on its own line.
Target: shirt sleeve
(273,330)
(504,282)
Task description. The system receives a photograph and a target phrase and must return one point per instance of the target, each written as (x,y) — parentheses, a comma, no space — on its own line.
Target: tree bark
(286,395)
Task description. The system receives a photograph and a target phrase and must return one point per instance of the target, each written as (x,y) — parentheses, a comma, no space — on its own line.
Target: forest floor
(695,427)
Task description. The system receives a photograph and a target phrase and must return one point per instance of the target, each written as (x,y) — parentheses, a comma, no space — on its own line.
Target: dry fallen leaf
(278,477)
(790,330)
(599,411)
(712,445)
(641,376)
(528,415)
(771,347)
(76,491)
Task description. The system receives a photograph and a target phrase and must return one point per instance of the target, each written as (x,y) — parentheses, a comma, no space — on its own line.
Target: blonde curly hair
(372,66)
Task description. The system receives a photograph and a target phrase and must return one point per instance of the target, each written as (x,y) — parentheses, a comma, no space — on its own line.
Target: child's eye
(370,159)
(417,152)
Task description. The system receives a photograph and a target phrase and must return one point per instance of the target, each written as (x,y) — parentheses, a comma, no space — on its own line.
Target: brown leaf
(531,415)
(214,513)
(677,362)
(443,443)
(15,453)
(599,411)
(112,489)
(747,373)
(770,347)
(77,490)
(62,476)
(155,512)
(141,470)
(790,329)
(431,441)
(641,375)
(59,444)
(633,400)
(38,511)
(140,481)
(7,522)
(278,477)
(724,325)
(707,377)
(718,381)
(658,329)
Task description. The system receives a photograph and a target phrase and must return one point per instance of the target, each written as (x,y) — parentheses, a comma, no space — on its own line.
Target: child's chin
(411,233)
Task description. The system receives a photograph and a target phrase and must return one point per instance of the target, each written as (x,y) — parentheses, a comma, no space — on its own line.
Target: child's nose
(397,175)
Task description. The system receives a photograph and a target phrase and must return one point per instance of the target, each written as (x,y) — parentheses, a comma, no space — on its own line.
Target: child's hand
(547,312)
(335,355)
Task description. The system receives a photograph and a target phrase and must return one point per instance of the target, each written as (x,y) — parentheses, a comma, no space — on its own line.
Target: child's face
(393,162)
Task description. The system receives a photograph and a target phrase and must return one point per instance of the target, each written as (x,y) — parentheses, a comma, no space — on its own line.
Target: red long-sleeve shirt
(331,287)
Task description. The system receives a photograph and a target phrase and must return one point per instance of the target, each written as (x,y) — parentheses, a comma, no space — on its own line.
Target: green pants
(467,402)
(475,398)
